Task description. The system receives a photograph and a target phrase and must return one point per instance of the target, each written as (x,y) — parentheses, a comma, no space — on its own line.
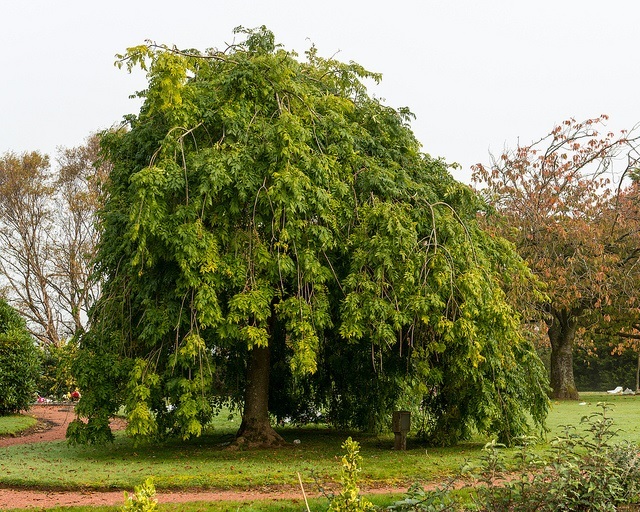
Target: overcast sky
(478,75)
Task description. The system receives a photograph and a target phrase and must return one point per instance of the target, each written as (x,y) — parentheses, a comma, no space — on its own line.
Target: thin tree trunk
(562,332)
(255,429)
(638,375)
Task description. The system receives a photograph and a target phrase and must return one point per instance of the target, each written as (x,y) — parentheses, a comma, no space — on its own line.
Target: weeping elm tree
(260,200)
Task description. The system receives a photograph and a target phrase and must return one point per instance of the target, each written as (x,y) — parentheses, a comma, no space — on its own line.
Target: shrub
(419,499)
(349,499)
(143,499)
(19,362)
(57,380)
(585,473)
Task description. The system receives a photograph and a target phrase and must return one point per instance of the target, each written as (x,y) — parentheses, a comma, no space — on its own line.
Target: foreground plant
(419,499)
(585,472)
(349,499)
(143,499)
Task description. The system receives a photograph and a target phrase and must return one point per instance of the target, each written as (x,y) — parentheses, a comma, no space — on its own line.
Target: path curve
(53,420)
(52,426)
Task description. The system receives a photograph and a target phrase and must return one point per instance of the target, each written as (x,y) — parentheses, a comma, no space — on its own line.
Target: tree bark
(255,430)
(562,332)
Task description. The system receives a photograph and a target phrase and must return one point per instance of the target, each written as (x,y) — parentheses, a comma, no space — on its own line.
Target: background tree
(19,362)
(605,364)
(26,210)
(80,175)
(621,329)
(261,205)
(555,200)
(47,238)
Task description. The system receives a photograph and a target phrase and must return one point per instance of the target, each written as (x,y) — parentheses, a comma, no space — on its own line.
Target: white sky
(478,75)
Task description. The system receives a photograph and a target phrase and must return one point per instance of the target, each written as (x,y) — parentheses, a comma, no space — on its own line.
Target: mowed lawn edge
(14,424)
(207,463)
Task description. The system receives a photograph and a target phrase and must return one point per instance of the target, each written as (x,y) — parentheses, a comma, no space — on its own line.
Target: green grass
(625,411)
(206,463)
(15,423)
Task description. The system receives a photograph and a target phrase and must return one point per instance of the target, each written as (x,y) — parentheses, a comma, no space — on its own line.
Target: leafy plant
(19,362)
(143,499)
(585,473)
(419,499)
(349,499)
(56,379)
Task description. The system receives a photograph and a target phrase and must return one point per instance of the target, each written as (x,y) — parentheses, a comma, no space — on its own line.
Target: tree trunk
(255,430)
(562,331)
(638,375)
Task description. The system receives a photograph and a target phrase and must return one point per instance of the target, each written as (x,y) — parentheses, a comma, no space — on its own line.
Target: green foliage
(262,201)
(56,379)
(19,362)
(143,499)
(597,368)
(586,472)
(417,499)
(349,499)
(98,371)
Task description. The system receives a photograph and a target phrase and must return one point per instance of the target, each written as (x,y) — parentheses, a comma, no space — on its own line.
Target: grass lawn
(15,423)
(625,411)
(205,463)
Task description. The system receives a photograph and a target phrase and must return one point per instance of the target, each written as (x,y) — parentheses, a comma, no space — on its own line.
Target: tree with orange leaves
(556,200)
(622,318)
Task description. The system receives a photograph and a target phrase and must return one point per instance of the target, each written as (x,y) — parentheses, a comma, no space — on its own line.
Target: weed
(419,499)
(349,499)
(143,499)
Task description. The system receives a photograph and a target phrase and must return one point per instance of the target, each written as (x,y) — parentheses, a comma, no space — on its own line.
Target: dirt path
(52,426)
(13,498)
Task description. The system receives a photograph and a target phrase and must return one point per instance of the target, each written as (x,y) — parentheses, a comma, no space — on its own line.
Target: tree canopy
(263,204)
(562,202)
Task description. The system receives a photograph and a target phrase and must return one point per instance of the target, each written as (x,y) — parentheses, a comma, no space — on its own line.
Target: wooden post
(401,426)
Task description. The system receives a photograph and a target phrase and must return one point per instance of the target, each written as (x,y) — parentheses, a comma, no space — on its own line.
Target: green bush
(143,499)
(56,380)
(585,472)
(19,362)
